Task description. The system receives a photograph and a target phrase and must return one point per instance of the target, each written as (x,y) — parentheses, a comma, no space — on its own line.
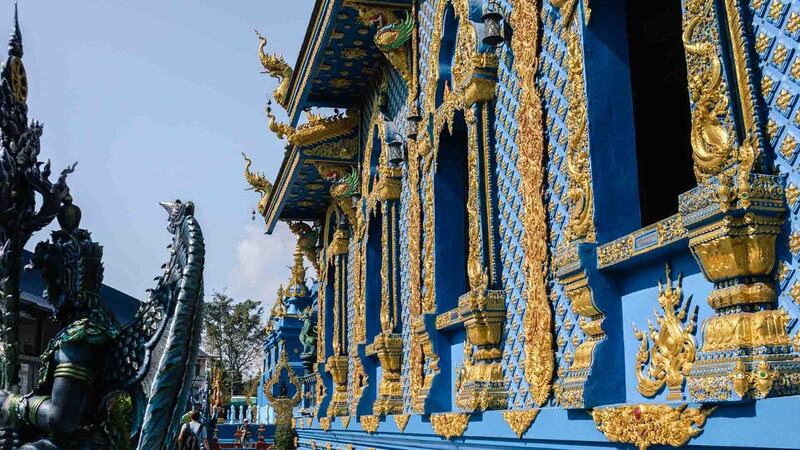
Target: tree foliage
(234,334)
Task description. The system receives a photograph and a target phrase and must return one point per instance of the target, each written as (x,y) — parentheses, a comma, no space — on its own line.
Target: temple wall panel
(636,318)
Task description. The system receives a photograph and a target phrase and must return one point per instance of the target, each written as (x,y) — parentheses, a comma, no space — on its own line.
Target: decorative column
(480,384)
(388,344)
(338,363)
(746,351)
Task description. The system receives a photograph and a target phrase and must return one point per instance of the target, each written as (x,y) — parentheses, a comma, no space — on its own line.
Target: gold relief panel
(337,366)
(520,421)
(401,420)
(673,346)
(712,134)
(369,424)
(538,321)
(450,425)
(580,225)
(389,349)
(647,425)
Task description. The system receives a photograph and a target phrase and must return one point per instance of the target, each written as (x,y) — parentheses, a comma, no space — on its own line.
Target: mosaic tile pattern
(776,28)
(551,81)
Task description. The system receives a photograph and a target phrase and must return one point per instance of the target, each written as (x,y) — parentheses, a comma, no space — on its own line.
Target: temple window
(450,187)
(447,52)
(373,279)
(660,106)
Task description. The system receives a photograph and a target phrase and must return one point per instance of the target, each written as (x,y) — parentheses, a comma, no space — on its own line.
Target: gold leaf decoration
(520,421)
(401,420)
(369,423)
(647,425)
(450,425)
(345,422)
(539,355)
(673,352)
(325,423)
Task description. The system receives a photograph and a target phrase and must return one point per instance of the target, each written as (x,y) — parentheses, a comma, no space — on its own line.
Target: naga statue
(276,67)
(94,359)
(258,183)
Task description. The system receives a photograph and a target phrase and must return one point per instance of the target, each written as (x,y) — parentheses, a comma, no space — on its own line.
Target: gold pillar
(337,364)
(746,349)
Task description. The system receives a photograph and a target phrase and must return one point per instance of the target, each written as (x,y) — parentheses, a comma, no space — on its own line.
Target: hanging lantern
(412,122)
(493,24)
(396,149)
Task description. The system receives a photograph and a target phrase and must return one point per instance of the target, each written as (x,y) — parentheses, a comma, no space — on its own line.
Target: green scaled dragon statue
(395,35)
(94,359)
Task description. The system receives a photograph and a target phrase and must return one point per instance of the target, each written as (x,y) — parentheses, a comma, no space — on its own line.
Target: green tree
(235,335)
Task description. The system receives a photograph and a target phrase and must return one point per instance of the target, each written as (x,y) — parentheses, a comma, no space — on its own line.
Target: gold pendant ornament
(450,425)
(520,421)
(647,425)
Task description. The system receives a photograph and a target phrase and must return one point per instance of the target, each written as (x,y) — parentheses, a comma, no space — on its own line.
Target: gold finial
(276,67)
(258,183)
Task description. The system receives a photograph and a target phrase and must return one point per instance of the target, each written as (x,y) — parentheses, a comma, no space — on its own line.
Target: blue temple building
(565,224)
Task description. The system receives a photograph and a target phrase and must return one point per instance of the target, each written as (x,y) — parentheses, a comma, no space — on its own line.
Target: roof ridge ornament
(15,42)
(276,67)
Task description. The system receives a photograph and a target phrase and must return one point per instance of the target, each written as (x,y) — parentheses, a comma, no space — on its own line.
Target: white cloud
(262,264)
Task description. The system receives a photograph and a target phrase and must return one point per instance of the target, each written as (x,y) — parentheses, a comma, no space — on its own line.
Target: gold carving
(570,388)
(337,366)
(450,425)
(538,321)
(345,422)
(401,420)
(258,183)
(711,135)
(325,423)
(283,405)
(389,348)
(369,423)
(344,149)
(322,128)
(647,425)
(568,9)
(520,421)
(674,348)
(276,67)
(480,384)
(581,212)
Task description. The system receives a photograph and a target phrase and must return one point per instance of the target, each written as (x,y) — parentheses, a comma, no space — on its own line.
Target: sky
(156,100)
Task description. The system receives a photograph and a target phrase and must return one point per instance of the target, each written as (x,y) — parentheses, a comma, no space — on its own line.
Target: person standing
(193,434)
(244,434)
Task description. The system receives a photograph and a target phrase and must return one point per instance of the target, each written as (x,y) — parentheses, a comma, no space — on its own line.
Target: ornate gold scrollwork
(337,366)
(520,421)
(712,133)
(389,348)
(570,389)
(538,321)
(647,424)
(735,248)
(401,420)
(674,348)
(283,405)
(276,67)
(450,425)
(568,9)
(369,423)
(581,213)
(258,183)
(325,423)
(480,384)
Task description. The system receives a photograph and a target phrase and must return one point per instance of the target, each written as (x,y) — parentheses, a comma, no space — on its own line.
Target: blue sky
(156,100)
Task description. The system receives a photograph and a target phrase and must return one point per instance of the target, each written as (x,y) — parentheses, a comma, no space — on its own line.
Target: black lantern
(493,24)
(395,149)
(412,122)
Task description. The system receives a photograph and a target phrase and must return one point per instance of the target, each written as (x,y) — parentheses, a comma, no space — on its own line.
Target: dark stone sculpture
(94,358)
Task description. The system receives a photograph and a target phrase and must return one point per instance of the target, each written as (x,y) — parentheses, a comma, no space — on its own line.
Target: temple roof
(338,57)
